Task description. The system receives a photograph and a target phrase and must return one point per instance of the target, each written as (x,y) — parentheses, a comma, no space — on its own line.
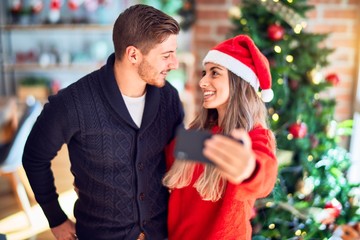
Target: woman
(216,201)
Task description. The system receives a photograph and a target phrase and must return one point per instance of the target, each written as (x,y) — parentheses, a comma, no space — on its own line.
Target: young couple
(118,121)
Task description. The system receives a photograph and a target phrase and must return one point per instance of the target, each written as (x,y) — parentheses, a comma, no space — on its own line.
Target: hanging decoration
(275,32)
(298,129)
(333,79)
(287,13)
(334,206)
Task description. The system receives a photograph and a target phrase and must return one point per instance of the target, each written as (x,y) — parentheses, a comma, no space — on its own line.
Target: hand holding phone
(190,144)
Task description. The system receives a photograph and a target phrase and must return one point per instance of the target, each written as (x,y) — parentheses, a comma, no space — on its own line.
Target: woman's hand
(235,160)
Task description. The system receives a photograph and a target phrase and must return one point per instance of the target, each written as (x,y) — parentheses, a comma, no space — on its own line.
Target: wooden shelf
(35,67)
(46,27)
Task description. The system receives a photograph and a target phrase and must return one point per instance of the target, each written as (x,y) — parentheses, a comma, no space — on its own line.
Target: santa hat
(241,56)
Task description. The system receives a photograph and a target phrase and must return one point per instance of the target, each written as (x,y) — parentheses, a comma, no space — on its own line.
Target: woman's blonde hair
(245,109)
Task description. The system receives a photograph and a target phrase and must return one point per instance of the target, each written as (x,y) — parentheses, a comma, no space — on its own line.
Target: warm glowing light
(310,158)
(277,49)
(290,1)
(290,136)
(280,81)
(271,226)
(269,204)
(298,28)
(275,117)
(289,58)
(298,233)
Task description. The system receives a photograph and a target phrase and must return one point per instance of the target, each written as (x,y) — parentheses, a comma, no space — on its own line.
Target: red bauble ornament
(275,32)
(298,130)
(335,206)
(55,4)
(294,84)
(333,79)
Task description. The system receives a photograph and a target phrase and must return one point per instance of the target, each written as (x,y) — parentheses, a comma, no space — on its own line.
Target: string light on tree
(315,76)
(277,49)
(289,58)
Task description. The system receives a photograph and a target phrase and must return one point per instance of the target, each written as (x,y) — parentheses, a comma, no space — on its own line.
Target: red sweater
(190,217)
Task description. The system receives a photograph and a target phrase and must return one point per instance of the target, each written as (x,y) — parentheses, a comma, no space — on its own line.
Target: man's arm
(47,136)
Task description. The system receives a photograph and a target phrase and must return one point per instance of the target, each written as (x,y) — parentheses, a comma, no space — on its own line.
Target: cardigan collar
(116,101)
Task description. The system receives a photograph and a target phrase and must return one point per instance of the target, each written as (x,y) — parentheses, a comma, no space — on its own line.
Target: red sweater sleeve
(169,154)
(261,183)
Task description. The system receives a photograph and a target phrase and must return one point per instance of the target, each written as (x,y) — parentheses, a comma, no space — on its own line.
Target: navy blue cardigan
(117,166)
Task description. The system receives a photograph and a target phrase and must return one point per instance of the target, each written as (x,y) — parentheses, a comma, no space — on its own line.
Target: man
(116,122)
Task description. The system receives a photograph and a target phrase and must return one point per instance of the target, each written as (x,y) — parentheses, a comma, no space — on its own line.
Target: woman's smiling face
(215,87)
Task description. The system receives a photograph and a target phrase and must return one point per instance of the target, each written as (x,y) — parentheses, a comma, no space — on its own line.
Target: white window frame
(354,175)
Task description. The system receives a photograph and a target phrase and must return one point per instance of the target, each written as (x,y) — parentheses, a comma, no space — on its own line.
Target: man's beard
(150,75)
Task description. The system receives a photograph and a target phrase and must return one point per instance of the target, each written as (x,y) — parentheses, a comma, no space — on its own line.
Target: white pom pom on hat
(241,56)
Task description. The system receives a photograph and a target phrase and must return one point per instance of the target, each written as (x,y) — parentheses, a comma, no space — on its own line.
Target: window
(355,140)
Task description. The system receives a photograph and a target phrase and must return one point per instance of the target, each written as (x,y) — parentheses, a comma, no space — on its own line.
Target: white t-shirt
(135,106)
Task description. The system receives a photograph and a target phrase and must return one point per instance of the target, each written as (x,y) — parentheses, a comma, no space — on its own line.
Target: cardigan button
(142,196)
(140,166)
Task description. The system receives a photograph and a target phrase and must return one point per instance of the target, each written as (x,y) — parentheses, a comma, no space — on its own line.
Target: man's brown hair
(143,27)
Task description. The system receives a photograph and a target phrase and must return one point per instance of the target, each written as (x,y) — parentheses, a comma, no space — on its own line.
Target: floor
(13,221)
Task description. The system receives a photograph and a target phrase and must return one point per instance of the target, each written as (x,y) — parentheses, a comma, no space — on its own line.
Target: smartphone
(189,145)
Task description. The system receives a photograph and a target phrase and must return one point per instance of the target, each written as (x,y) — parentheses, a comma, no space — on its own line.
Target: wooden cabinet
(61,53)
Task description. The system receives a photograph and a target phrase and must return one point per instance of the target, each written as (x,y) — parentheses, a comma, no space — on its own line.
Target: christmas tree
(312,196)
